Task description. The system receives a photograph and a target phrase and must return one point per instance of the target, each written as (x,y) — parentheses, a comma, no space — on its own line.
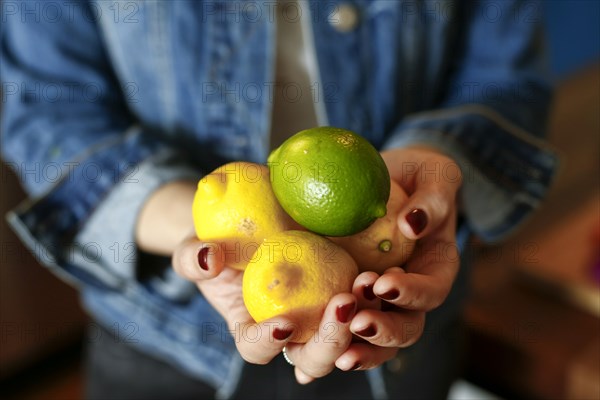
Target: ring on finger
(286,357)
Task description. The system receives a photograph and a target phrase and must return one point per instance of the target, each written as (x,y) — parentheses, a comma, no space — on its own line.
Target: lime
(330,180)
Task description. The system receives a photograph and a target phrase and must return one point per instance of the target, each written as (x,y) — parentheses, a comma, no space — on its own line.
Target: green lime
(330,180)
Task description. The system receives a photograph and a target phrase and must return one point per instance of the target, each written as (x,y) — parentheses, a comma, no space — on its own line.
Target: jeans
(426,370)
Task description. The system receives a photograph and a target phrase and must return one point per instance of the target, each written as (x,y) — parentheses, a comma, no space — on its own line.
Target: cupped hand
(392,306)
(259,343)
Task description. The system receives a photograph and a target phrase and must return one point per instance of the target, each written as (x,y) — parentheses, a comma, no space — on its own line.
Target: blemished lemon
(235,207)
(296,273)
(381,245)
(330,180)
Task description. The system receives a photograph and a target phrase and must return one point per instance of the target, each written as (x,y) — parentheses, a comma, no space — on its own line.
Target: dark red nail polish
(417,219)
(355,367)
(281,334)
(390,294)
(368,292)
(344,313)
(203,258)
(367,332)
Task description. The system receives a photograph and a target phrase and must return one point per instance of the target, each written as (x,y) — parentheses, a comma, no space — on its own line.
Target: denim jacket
(103,102)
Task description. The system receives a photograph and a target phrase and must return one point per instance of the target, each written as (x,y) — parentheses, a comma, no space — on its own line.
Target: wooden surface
(39,314)
(533,317)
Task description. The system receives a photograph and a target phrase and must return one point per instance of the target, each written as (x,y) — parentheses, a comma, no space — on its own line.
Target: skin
(165,227)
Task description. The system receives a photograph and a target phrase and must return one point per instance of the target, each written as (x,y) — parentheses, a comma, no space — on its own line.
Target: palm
(224,293)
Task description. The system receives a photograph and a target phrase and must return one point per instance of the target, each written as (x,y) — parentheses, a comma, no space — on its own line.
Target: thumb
(196,261)
(431,187)
(425,210)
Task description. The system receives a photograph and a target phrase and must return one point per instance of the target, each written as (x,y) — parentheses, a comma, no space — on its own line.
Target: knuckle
(388,340)
(334,345)
(317,370)
(185,261)
(438,297)
(410,299)
(179,262)
(441,201)
(253,358)
(411,333)
(410,340)
(436,302)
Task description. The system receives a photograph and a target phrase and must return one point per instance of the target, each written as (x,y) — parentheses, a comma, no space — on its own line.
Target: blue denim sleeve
(68,135)
(492,117)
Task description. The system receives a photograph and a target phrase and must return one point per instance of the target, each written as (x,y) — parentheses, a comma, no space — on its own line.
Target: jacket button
(344,18)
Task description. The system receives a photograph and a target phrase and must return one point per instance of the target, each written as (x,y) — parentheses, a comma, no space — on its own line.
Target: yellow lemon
(330,180)
(296,273)
(381,245)
(235,207)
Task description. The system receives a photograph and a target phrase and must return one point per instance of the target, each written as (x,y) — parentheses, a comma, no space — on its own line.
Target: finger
(317,357)
(363,290)
(430,206)
(398,328)
(197,261)
(427,280)
(260,343)
(432,181)
(301,377)
(363,356)
(417,165)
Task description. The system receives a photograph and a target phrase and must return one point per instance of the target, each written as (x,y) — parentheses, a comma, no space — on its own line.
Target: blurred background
(533,320)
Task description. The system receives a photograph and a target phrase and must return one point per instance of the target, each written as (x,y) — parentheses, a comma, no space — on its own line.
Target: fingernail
(368,292)
(355,367)
(417,219)
(369,331)
(281,334)
(345,312)
(203,258)
(390,294)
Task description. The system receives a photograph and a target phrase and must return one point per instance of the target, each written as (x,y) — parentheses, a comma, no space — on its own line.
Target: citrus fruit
(296,273)
(235,207)
(381,245)
(330,180)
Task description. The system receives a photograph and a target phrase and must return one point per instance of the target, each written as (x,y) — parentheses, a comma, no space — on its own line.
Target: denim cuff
(506,171)
(110,230)
(89,239)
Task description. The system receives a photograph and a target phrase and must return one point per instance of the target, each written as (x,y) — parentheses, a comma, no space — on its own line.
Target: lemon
(235,207)
(381,245)
(330,180)
(296,273)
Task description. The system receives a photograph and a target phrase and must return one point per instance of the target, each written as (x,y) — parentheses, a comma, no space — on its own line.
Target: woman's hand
(165,227)
(393,306)
(258,343)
